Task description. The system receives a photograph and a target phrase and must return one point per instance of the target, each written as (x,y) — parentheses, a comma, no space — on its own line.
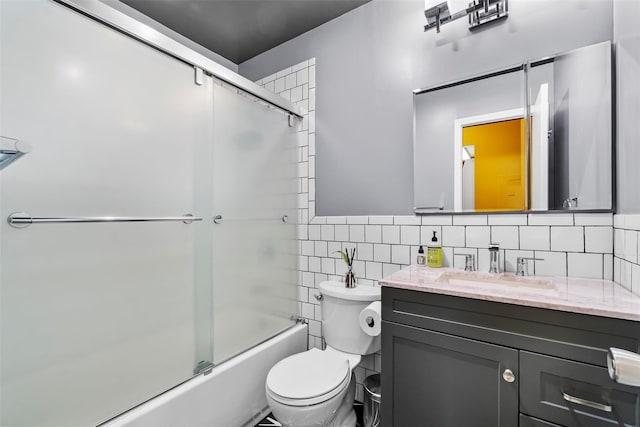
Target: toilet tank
(341,309)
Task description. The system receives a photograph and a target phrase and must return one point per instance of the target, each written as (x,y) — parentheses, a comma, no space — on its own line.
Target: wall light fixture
(480,12)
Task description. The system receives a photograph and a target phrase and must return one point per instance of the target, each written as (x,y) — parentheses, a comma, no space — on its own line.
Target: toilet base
(346,416)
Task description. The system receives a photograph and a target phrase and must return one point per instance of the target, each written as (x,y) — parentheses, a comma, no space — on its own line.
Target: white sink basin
(468,278)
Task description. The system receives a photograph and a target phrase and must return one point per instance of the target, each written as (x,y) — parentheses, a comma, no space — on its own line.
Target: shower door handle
(284,218)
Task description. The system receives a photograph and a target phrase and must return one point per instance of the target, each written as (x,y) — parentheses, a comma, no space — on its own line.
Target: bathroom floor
(270,421)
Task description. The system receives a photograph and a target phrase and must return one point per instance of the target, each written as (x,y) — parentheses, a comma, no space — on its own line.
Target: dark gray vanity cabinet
(451,361)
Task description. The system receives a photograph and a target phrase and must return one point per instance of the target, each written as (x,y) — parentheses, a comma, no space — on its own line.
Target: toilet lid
(309,374)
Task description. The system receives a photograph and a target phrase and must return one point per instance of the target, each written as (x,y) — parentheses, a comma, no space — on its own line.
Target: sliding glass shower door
(254,201)
(109,292)
(96,317)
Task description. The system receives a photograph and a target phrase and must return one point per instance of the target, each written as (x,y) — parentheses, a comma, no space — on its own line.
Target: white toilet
(317,387)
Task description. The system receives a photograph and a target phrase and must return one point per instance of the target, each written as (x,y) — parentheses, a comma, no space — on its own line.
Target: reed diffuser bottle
(350,277)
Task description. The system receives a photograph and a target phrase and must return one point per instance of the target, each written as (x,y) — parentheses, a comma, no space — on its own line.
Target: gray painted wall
(369,61)
(627,38)
(133,13)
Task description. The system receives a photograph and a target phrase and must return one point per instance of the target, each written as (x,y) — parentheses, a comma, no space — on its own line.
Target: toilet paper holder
(370,321)
(624,366)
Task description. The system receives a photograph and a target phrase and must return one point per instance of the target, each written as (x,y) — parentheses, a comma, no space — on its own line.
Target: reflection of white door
(540,150)
(468,181)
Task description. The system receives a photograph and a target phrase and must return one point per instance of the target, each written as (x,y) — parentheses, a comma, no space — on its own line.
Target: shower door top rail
(144,33)
(22,219)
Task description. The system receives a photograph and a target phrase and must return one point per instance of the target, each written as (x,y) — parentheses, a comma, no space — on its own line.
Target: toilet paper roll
(624,366)
(371,319)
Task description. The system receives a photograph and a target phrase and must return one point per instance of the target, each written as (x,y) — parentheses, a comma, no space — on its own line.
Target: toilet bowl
(313,389)
(316,388)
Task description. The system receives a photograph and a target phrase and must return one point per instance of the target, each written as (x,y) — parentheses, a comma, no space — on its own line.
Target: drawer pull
(585,402)
(508,376)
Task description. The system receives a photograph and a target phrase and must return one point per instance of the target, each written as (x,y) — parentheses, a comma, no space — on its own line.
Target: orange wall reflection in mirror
(499,177)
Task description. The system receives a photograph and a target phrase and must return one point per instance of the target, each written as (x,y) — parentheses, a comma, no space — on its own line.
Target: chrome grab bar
(22,219)
(587,403)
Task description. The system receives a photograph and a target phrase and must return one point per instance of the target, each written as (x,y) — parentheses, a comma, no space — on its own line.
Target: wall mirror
(534,137)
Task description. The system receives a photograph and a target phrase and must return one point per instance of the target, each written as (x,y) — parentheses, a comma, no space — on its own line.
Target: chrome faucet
(494,258)
(522,266)
(469,262)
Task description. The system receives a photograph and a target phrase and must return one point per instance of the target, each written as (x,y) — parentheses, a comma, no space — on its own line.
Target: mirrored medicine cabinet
(533,137)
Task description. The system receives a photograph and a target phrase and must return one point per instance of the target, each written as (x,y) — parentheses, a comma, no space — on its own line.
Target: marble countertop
(586,296)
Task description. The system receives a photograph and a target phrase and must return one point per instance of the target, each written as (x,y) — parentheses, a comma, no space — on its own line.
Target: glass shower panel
(254,250)
(96,317)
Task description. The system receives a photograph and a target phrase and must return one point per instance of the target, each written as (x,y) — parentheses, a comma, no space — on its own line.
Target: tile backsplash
(386,243)
(626,263)
(576,244)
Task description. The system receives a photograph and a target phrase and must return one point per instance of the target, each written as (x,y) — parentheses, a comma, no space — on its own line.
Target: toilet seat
(308,378)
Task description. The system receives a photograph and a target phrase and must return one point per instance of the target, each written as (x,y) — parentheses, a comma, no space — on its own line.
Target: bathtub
(232,395)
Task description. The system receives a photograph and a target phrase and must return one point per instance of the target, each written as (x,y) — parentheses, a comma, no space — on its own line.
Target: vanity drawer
(575,394)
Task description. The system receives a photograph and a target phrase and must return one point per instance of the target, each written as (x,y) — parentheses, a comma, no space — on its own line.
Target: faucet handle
(522,266)
(524,259)
(469,261)
(494,246)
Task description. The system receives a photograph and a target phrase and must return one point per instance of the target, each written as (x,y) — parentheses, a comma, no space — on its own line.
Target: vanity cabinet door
(435,379)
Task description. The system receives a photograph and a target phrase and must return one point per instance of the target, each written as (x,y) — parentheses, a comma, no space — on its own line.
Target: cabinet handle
(508,376)
(585,402)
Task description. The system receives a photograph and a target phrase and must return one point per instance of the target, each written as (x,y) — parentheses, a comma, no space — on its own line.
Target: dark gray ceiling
(242,29)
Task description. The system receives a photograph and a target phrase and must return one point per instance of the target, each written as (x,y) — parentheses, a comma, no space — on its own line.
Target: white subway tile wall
(535,237)
(578,244)
(506,236)
(626,247)
(567,239)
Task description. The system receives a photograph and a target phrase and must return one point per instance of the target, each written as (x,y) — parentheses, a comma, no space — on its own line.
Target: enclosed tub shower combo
(148,198)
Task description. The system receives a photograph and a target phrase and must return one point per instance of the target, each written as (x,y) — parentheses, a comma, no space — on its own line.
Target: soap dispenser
(434,252)
(421,259)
